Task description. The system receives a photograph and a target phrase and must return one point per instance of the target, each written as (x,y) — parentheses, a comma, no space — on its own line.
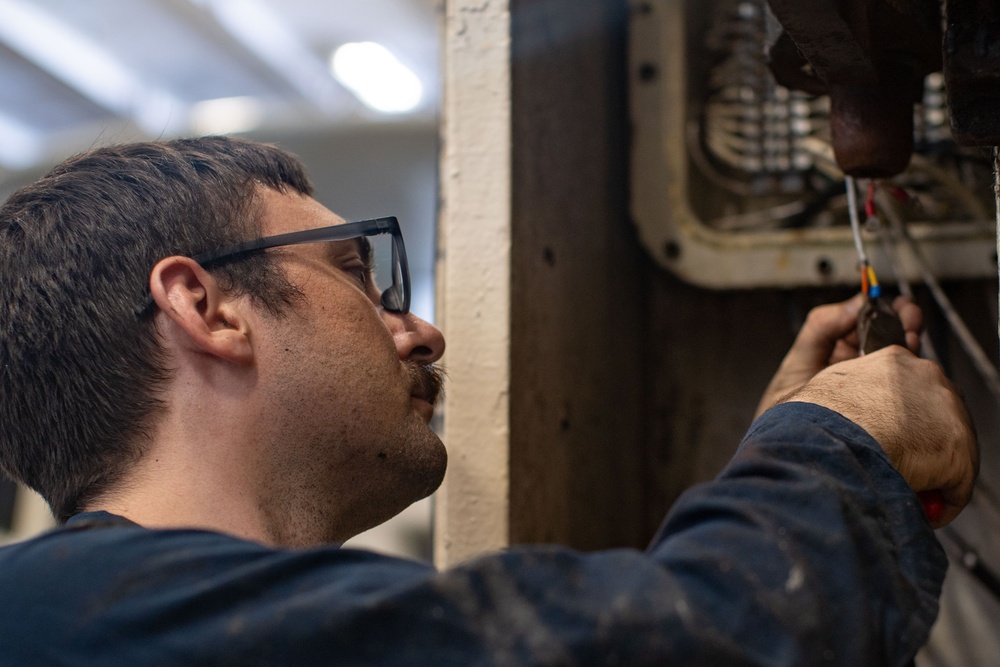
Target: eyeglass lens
(386,271)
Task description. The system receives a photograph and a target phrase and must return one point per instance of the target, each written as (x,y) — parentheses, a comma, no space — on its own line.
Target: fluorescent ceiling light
(376,77)
(20,146)
(226,115)
(265,33)
(84,65)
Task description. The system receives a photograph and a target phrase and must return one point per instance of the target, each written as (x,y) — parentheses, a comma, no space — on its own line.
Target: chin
(432,468)
(414,473)
(413,488)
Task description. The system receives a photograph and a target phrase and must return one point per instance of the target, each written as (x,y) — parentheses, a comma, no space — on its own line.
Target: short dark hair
(80,371)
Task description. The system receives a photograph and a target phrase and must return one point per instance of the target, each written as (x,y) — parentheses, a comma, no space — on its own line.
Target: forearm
(808,549)
(823,541)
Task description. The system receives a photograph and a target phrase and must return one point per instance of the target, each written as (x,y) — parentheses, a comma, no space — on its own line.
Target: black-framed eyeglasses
(390,269)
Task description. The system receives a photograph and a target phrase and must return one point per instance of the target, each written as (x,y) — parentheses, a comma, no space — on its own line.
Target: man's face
(345,381)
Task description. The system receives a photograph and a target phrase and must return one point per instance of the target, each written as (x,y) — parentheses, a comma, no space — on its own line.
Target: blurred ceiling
(78,72)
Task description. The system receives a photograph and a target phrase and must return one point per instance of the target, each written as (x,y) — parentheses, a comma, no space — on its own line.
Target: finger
(813,348)
(912,318)
(910,314)
(844,350)
(851,339)
(955,499)
(954,477)
(961,493)
(825,325)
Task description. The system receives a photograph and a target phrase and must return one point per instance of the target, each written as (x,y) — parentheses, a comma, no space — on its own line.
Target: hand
(828,337)
(915,414)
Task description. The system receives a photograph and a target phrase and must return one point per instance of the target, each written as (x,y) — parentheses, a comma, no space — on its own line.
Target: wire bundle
(869,281)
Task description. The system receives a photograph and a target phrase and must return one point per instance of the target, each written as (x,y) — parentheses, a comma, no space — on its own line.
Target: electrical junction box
(734,184)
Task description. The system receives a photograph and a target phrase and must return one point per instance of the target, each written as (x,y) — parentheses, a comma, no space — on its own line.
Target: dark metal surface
(871,57)
(823,34)
(972,70)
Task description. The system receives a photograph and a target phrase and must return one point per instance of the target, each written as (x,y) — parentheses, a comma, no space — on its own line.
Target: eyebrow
(366,251)
(363,245)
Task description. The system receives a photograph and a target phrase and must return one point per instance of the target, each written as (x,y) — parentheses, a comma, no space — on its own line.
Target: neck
(166,490)
(209,467)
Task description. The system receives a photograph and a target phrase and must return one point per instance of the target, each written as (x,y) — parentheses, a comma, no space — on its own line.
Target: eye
(351,258)
(359,274)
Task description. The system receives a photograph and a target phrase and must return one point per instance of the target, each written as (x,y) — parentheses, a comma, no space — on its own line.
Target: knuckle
(895,351)
(932,370)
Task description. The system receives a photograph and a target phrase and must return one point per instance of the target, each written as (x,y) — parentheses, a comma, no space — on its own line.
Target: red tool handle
(933,503)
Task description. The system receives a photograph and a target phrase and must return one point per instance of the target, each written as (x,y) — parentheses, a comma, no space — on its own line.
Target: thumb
(812,349)
(824,326)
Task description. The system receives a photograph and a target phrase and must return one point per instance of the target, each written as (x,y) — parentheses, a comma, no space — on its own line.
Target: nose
(416,339)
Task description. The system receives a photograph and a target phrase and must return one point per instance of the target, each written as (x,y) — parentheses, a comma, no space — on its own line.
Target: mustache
(428,381)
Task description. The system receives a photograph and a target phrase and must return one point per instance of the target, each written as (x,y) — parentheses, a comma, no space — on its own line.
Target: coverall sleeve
(808,549)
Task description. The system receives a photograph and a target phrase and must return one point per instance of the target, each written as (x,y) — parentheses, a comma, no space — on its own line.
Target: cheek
(364,334)
(355,346)
(334,344)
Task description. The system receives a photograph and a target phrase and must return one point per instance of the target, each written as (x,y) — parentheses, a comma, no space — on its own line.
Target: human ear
(208,320)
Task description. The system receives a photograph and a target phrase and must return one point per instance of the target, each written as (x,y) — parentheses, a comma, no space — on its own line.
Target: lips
(428,381)
(423,408)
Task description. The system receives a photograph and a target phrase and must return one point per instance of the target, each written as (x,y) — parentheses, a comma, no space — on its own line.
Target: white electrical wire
(852,210)
(996,192)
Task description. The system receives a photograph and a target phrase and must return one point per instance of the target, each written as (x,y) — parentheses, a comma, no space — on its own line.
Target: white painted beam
(474,279)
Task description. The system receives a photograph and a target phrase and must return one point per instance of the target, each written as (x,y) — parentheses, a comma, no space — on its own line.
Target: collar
(98,519)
